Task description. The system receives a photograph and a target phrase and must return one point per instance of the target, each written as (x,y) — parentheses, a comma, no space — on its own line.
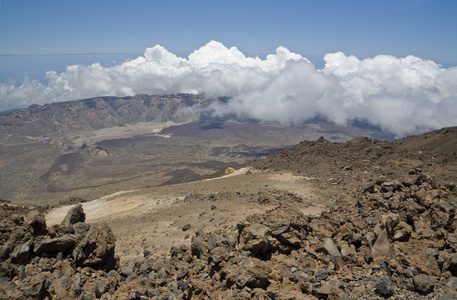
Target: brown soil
(154,218)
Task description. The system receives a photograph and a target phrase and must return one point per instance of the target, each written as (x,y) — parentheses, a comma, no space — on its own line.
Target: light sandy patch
(289,177)
(127,131)
(242,171)
(93,209)
(154,218)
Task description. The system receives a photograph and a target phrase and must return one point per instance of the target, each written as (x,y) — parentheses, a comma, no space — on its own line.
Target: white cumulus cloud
(401,95)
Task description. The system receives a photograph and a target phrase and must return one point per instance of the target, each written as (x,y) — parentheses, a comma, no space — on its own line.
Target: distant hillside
(93,147)
(95,113)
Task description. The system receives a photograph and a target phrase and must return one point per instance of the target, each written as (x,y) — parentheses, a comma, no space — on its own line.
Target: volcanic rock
(401,245)
(382,245)
(21,252)
(197,247)
(254,238)
(385,287)
(75,215)
(424,284)
(38,225)
(59,244)
(96,248)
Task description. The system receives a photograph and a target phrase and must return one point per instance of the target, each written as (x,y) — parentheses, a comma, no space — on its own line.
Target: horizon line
(48,54)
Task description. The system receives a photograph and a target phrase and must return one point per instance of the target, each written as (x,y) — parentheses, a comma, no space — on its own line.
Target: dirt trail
(154,218)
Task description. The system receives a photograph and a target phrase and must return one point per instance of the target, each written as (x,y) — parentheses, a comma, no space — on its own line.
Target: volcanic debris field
(383,227)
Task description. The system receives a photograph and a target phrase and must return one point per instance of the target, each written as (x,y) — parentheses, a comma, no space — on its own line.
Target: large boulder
(330,248)
(254,238)
(59,244)
(423,284)
(96,248)
(38,225)
(21,252)
(14,240)
(75,215)
(385,287)
(278,230)
(34,288)
(197,247)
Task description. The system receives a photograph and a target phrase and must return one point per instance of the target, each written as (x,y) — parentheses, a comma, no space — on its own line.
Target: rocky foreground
(397,240)
(390,234)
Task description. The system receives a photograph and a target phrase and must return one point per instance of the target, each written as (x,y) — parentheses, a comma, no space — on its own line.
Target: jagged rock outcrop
(38,262)
(96,248)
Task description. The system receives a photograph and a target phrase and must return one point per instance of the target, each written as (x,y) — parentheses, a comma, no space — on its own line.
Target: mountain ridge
(96,113)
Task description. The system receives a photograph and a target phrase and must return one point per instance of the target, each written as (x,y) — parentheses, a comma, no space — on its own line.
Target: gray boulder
(21,252)
(33,288)
(75,215)
(38,224)
(330,248)
(59,244)
(197,247)
(423,284)
(385,287)
(96,248)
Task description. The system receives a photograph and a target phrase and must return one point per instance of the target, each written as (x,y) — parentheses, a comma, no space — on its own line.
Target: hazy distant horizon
(14,68)
(391,63)
(34,66)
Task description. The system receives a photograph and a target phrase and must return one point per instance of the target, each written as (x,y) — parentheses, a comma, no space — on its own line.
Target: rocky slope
(388,234)
(352,165)
(397,240)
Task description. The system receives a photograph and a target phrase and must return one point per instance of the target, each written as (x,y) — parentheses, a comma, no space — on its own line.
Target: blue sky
(390,63)
(427,29)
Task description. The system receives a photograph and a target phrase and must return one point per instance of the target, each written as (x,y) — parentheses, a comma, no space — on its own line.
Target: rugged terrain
(93,147)
(362,219)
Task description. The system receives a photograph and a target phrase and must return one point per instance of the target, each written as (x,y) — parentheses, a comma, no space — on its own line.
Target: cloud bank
(401,95)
